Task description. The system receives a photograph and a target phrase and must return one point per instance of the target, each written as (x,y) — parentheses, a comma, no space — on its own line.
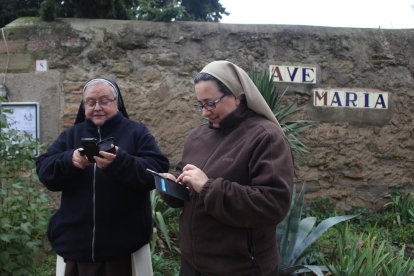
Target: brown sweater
(230,227)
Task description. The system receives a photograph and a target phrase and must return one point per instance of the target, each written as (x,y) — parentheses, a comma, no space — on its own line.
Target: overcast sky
(387,14)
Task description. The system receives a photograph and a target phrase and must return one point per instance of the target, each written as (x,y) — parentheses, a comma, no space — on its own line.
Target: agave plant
(273,98)
(295,235)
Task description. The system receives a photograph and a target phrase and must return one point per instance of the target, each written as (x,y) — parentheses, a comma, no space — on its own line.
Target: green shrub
(321,208)
(402,234)
(48,10)
(24,204)
(46,264)
(393,222)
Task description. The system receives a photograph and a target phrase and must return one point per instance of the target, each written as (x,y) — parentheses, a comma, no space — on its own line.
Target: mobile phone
(91,147)
(169,187)
(107,145)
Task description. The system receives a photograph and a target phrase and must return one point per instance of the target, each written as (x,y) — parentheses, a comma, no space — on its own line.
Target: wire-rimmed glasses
(90,104)
(208,105)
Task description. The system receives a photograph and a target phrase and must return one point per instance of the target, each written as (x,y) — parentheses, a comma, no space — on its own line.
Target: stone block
(15,63)
(39,45)
(17,46)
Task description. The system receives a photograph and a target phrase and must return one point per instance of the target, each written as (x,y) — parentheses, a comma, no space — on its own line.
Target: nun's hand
(79,161)
(106,159)
(193,176)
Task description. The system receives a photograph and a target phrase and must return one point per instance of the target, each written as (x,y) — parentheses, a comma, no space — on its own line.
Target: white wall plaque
(41,65)
(352,98)
(22,116)
(293,73)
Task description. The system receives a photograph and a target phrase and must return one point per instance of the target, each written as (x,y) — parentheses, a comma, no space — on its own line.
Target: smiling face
(102,94)
(207,91)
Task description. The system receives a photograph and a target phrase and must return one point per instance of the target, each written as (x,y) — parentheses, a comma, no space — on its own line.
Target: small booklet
(170,187)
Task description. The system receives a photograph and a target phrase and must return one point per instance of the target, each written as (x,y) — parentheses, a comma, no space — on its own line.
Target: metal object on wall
(3,91)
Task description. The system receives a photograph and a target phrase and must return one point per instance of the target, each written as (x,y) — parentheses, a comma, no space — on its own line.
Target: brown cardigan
(230,227)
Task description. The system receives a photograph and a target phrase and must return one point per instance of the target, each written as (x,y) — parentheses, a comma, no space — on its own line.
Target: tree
(203,10)
(48,10)
(159,10)
(185,10)
(107,9)
(154,10)
(10,10)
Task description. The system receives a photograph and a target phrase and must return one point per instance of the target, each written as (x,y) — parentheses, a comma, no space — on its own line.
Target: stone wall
(356,156)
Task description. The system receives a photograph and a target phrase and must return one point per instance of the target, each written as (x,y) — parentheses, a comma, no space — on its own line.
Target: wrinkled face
(100,103)
(208,92)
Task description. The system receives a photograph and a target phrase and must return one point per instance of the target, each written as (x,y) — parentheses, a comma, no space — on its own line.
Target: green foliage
(296,235)
(23,219)
(163,216)
(321,208)
(398,265)
(355,255)
(398,217)
(363,255)
(24,205)
(203,10)
(10,10)
(392,222)
(158,10)
(402,234)
(372,226)
(274,99)
(165,260)
(402,205)
(45,263)
(153,10)
(108,9)
(48,10)
(165,264)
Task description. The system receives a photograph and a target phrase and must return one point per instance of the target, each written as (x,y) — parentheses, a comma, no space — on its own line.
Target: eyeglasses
(208,105)
(104,102)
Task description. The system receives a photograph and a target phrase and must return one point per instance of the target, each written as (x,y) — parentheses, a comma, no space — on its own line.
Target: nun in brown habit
(239,169)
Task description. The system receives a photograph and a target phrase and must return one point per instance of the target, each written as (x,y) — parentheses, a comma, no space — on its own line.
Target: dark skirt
(114,267)
(187,270)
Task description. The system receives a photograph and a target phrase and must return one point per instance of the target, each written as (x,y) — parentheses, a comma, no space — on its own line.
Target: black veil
(80,117)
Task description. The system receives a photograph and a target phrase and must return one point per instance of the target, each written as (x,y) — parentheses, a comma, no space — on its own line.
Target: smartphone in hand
(170,187)
(91,147)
